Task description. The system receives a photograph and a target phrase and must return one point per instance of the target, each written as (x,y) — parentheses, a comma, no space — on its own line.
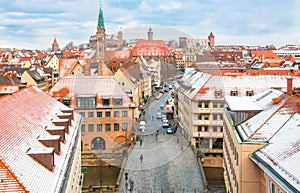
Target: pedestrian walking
(141,158)
(141,142)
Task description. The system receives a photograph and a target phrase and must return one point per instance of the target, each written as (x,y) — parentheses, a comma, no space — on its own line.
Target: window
(66,101)
(116,114)
(218,93)
(124,126)
(215,117)
(99,127)
(199,116)
(90,114)
(118,101)
(124,113)
(206,128)
(116,126)
(82,114)
(206,117)
(215,105)
(199,128)
(91,127)
(107,127)
(106,102)
(99,114)
(82,128)
(107,113)
(233,93)
(215,128)
(85,102)
(249,93)
(271,187)
(206,105)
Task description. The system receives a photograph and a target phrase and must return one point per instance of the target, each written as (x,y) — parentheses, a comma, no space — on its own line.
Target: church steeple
(100,19)
(100,36)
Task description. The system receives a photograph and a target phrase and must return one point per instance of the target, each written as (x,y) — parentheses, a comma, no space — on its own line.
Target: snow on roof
(282,154)
(104,86)
(24,116)
(265,124)
(242,84)
(192,82)
(241,104)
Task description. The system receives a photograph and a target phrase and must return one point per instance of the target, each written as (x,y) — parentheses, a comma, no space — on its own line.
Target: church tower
(100,36)
(211,39)
(150,34)
(55,47)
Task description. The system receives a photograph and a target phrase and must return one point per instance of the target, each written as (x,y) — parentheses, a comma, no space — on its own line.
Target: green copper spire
(100,19)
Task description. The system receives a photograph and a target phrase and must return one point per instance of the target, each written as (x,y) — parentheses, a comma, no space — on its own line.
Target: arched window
(98,143)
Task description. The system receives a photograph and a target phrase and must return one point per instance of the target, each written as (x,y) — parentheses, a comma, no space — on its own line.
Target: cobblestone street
(167,166)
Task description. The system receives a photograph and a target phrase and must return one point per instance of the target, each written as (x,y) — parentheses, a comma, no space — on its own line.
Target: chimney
(51,141)
(289,85)
(43,155)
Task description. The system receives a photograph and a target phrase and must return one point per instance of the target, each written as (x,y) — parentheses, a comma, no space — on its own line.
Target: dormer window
(233,93)
(249,93)
(106,101)
(218,93)
(118,101)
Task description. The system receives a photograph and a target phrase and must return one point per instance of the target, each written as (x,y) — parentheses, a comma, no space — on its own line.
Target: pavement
(169,164)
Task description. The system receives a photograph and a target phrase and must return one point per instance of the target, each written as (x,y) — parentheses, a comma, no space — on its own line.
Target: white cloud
(170,6)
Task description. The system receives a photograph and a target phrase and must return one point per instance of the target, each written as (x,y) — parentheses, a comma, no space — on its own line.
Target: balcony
(202,110)
(201,122)
(209,134)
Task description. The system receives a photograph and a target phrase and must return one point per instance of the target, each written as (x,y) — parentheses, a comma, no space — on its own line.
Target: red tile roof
(9,182)
(150,48)
(263,53)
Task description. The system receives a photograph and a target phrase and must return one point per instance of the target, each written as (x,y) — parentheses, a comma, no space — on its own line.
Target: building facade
(107,111)
(199,103)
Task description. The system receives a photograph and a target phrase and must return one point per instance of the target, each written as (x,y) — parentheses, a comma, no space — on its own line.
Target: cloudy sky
(34,23)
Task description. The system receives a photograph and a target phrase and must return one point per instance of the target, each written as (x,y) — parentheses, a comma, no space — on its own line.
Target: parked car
(165,123)
(169,130)
(142,126)
(158,114)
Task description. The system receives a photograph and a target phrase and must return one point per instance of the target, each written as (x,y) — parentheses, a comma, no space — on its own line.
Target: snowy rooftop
(202,86)
(25,116)
(282,154)
(241,104)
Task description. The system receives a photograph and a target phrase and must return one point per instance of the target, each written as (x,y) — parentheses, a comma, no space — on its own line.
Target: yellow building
(107,111)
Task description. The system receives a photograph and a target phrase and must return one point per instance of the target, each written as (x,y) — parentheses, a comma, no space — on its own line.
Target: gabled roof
(35,76)
(66,65)
(25,115)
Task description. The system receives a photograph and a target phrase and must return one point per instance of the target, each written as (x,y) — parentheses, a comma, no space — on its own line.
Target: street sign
(84,169)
